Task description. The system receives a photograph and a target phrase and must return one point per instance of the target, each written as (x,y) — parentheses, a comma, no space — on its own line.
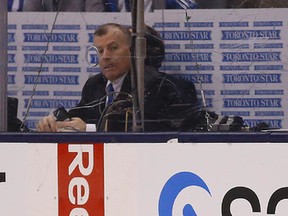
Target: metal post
(3,65)
(137,63)
(140,57)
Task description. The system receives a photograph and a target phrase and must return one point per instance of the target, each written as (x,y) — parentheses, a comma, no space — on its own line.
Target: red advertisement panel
(81,179)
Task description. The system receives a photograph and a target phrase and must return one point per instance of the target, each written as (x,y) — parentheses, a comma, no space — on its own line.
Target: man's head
(113,42)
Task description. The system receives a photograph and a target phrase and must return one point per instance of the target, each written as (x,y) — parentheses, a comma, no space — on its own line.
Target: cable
(109,109)
(169,81)
(111,106)
(61,114)
(22,126)
(185,5)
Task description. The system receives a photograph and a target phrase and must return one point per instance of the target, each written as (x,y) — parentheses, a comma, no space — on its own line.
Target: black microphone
(61,114)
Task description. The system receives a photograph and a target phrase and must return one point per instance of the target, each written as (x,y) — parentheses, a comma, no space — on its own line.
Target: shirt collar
(117,84)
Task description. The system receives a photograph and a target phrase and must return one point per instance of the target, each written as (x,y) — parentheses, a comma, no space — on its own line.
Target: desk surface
(214,137)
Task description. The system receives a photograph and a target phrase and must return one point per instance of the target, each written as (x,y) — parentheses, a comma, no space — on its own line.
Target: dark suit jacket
(165,102)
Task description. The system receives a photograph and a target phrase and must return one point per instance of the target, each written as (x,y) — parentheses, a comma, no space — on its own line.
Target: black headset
(155,49)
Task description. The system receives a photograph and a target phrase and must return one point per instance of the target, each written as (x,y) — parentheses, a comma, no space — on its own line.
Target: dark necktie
(110,94)
(111,5)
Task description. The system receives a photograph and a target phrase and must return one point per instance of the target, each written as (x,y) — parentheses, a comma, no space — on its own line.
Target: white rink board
(135,175)
(31,179)
(257,167)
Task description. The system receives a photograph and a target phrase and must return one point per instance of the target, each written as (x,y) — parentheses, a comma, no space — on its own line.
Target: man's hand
(75,124)
(49,124)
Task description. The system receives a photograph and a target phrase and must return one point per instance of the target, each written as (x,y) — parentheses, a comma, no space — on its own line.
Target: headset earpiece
(155,49)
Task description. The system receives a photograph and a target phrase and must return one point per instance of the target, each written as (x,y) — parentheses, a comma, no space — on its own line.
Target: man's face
(114,53)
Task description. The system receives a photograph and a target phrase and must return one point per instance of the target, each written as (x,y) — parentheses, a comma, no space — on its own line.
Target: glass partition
(194,66)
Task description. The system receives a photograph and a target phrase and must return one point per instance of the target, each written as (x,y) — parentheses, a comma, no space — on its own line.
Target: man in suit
(165,102)
(64,5)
